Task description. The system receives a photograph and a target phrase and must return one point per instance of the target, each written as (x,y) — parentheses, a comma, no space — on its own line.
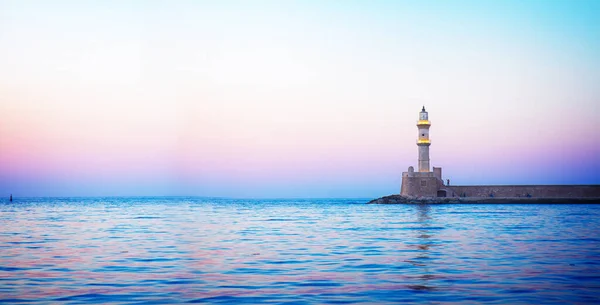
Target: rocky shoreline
(399,199)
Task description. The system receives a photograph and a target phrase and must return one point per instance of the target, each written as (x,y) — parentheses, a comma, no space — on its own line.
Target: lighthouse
(423,182)
(423,141)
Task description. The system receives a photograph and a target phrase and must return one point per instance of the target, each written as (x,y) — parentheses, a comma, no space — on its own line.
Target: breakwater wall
(529,191)
(399,199)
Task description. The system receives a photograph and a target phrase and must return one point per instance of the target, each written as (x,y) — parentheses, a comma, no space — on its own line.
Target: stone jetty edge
(399,199)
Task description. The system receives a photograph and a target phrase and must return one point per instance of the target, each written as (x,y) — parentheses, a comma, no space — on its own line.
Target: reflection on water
(423,236)
(168,250)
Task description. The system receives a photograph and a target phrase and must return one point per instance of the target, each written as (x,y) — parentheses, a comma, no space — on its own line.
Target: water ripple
(198,250)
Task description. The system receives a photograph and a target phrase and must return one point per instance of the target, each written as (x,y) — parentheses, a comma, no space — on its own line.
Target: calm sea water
(198,250)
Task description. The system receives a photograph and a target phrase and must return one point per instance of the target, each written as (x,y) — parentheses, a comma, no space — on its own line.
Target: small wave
(422,228)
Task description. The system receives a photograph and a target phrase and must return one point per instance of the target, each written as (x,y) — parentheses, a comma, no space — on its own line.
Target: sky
(274,99)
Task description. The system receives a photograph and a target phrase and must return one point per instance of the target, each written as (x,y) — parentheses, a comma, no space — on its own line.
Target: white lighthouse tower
(423,183)
(423,141)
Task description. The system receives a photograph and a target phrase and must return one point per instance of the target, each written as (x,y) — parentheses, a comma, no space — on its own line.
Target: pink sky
(292,100)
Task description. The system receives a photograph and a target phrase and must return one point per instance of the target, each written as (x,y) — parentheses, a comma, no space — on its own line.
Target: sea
(168,250)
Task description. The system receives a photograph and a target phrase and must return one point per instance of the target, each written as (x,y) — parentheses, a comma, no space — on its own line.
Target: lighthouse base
(423,184)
